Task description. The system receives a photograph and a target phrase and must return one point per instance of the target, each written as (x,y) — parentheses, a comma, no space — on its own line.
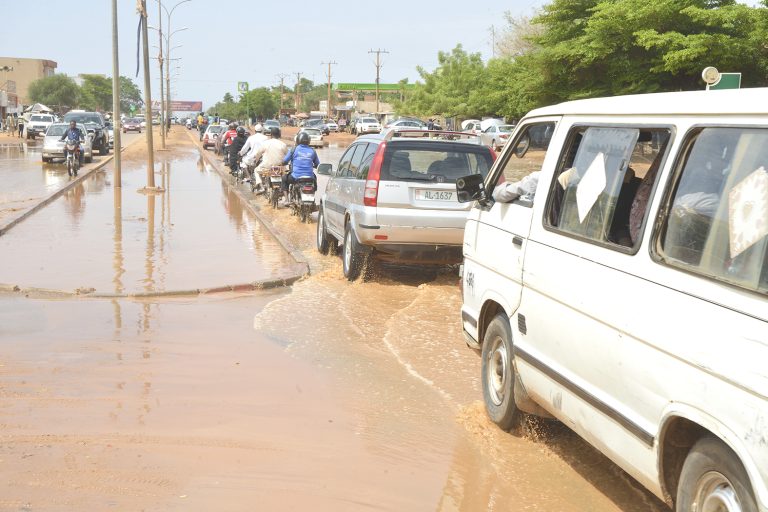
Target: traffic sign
(727,81)
(242,86)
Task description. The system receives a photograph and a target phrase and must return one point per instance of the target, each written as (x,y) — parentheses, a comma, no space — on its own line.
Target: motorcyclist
(271,152)
(303,159)
(227,138)
(234,150)
(74,135)
(252,144)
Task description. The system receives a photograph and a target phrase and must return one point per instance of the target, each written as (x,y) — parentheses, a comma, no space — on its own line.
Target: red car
(132,125)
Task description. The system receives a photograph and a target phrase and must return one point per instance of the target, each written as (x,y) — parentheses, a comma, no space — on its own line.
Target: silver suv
(394,197)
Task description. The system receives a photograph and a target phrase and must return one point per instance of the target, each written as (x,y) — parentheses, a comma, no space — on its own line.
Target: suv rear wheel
(104,149)
(352,257)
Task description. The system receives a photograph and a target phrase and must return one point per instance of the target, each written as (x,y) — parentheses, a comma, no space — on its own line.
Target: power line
(378,69)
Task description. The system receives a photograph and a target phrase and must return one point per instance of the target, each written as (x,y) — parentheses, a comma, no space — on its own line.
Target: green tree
(130,95)
(57,91)
(260,103)
(451,89)
(96,93)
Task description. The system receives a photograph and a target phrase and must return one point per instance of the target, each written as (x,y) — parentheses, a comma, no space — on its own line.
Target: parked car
(315,137)
(53,146)
(395,199)
(37,125)
(472,126)
(329,126)
(496,136)
(625,292)
(212,134)
(365,125)
(94,123)
(272,123)
(132,124)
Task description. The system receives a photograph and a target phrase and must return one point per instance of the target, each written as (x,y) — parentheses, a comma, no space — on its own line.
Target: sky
(255,40)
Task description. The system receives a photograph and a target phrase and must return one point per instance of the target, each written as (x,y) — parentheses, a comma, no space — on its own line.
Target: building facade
(15,80)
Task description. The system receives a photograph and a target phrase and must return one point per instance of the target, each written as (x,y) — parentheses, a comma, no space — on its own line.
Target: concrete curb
(265,284)
(225,177)
(56,194)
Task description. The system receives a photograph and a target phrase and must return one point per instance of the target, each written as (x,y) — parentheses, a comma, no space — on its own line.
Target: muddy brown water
(326,396)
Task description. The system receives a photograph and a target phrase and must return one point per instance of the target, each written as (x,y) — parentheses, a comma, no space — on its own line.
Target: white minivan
(627,293)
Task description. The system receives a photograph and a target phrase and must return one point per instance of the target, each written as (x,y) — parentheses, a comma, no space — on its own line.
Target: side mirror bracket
(472,188)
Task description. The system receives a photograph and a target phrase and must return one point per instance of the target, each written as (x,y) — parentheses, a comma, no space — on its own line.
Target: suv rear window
(84,118)
(437,162)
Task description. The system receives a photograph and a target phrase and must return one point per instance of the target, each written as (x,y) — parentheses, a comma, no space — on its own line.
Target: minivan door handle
(517,240)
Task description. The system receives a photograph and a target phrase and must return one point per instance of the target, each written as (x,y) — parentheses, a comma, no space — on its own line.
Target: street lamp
(168,52)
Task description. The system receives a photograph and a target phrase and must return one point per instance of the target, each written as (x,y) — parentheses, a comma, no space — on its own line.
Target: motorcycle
(301,196)
(73,157)
(273,179)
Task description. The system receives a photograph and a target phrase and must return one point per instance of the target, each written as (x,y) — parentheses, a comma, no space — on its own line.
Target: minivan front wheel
(498,374)
(713,479)
(352,260)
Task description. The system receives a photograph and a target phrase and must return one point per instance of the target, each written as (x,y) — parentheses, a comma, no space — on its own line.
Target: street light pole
(168,56)
(117,180)
(147,96)
(160,61)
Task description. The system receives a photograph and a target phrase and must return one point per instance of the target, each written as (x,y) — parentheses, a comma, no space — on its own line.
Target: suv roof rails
(433,134)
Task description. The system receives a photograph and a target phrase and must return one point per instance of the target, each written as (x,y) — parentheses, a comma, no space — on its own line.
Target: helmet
(240,130)
(232,125)
(303,139)
(258,128)
(274,132)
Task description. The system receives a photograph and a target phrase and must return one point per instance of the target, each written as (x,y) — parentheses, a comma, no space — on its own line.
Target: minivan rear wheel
(498,374)
(352,257)
(323,239)
(713,478)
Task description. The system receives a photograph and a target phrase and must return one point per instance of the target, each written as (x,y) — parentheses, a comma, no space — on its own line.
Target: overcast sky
(254,40)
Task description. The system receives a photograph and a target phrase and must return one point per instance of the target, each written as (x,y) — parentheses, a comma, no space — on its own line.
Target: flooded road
(26,179)
(186,237)
(327,395)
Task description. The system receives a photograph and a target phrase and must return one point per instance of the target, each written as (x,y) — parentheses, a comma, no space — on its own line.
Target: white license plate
(434,195)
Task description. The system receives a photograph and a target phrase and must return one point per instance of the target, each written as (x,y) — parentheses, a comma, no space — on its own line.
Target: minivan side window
(603,186)
(528,153)
(717,212)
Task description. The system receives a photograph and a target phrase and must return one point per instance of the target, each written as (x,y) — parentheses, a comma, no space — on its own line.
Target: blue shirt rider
(74,134)
(303,160)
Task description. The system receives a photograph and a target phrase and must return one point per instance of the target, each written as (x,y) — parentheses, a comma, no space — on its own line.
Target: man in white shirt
(252,144)
(271,151)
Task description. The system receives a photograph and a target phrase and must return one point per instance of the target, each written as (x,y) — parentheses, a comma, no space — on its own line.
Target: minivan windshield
(42,119)
(82,117)
(436,162)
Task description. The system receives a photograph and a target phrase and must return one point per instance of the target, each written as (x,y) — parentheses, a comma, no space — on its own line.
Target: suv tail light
(493,153)
(371,194)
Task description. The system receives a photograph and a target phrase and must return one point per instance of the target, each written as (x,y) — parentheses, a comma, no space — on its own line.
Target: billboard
(181,106)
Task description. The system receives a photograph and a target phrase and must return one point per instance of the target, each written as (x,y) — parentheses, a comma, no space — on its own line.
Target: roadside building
(15,76)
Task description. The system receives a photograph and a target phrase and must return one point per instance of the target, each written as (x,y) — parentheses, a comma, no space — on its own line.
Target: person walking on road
(21,126)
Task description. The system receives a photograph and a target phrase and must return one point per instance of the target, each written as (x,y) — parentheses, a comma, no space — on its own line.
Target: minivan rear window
(437,162)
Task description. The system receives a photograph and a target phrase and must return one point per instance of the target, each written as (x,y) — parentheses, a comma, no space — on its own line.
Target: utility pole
(298,81)
(160,60)
(330,63)
(493,41)
(378,69)
(117,179)
(147,95)
(281,76)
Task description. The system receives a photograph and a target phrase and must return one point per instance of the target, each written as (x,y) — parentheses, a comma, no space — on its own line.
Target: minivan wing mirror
(325,169)
(471,188)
